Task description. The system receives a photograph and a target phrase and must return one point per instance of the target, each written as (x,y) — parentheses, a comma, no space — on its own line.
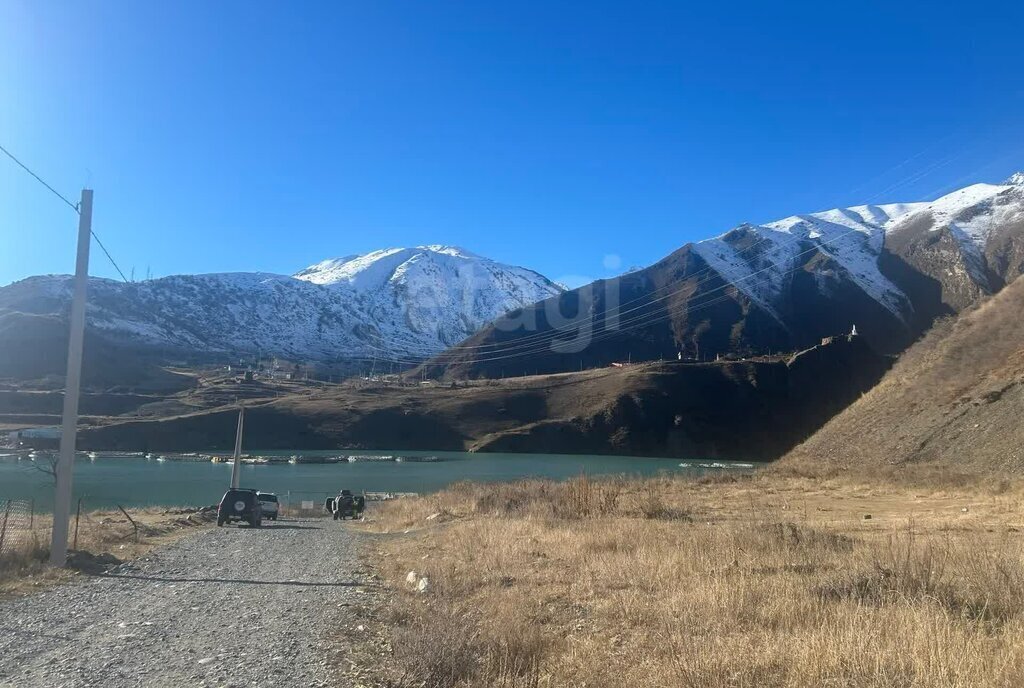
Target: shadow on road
(233,581)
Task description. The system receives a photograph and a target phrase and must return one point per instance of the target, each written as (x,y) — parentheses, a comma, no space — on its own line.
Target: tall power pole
(76,337)
(236,465)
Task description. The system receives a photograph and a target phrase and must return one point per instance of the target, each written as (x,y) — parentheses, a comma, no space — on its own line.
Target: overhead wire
(528,344)
(643,320)
(73,206)
(498,347)
(39,179)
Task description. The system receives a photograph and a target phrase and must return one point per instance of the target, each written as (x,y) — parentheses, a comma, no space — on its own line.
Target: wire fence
(17,519)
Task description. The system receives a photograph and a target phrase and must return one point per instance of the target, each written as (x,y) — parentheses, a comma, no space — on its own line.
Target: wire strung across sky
(515,350)
(536,342)
(73,206)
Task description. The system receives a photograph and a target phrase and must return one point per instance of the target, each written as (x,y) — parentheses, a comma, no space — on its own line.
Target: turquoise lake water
(137,481)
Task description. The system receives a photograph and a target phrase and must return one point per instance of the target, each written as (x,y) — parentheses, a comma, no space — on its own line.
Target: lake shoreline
(106,479)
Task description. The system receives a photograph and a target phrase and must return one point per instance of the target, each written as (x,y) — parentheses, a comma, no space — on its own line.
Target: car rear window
(236,495)
(268,498)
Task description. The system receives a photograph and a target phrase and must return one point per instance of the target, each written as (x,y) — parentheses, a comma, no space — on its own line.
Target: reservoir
(136,481)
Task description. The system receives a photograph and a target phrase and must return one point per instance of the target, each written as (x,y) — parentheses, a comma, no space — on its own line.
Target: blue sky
(226,136)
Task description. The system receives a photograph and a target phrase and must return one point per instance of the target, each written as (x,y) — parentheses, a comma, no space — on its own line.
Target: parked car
(346,505)
(239,504)
(268,500)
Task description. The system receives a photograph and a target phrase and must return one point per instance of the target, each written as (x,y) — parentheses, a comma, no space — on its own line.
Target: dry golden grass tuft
(738,581)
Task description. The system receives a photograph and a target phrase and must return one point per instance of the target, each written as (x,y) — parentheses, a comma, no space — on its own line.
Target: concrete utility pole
(236,475)
(76,338)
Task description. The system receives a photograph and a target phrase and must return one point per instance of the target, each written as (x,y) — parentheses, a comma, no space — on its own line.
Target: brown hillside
(956,399)
(752,410)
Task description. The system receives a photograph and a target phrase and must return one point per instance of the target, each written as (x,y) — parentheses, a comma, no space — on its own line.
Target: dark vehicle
(240,505)
(346,505)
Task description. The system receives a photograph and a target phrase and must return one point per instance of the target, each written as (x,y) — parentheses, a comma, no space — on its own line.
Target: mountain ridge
(414,307)
(890,269)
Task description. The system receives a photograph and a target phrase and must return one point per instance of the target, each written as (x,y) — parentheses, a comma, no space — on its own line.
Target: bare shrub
(440,648)
(983,585)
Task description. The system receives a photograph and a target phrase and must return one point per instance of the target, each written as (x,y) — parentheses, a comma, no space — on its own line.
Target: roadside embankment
(99,540)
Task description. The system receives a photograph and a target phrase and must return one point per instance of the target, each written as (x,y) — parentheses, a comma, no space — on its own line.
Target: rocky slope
(889,269)
(954,400)
(405,303)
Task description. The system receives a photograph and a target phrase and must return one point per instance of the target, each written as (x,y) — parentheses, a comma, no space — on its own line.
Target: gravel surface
(225,606)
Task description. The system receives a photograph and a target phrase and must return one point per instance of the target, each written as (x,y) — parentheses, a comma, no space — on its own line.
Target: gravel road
(220,607)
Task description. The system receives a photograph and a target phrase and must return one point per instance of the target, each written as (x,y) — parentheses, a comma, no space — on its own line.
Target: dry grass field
(103,532)
(766,580)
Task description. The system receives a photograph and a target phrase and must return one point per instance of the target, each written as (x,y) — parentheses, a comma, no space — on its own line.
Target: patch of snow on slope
(950,210)
(395,302)
(969,214)
(853,237)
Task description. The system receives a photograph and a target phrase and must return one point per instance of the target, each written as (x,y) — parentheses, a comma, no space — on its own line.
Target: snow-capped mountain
(438,294)
(395,303)
(778,286)
(849,243)
(890,269)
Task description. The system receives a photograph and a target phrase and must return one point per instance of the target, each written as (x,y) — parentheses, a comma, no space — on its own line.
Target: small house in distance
(825,341)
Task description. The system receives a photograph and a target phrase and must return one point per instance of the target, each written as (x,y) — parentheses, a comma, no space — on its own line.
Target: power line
(516,350)
(39,179)
(109,257)
(71,205)
(535,344)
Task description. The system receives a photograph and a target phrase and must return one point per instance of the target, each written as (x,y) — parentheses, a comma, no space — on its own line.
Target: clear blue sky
(225,136)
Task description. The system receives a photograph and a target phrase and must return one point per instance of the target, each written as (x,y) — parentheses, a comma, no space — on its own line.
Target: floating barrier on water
(250,460)
(716,465)
(397,459)
(316,459)
(387,496)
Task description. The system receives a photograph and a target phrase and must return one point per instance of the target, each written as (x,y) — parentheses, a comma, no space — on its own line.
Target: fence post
(3,529)
(78,515)
(32,513)
(130,520)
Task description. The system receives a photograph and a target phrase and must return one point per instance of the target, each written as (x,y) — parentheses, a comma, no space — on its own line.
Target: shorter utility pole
(236,475)
(69,427)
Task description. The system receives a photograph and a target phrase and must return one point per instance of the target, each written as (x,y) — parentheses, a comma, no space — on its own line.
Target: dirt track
(226,606)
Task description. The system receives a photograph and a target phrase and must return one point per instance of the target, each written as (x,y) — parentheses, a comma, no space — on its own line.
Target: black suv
(240,505)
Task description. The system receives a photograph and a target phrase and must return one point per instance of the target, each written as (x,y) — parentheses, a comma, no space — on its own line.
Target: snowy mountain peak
(760,260)
(438,294)
(399,302)
(449,250)
(374,269)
